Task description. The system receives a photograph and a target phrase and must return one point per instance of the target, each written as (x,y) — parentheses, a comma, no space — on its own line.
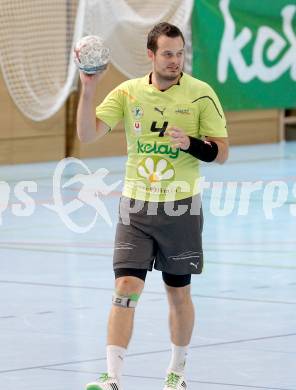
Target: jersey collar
(149,80)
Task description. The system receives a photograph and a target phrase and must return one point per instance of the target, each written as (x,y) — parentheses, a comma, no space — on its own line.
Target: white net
(37,39)
(124,25)
(35,42)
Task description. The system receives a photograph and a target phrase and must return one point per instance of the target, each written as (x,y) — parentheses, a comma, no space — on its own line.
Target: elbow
(223,152)
(222,156)
(221,160)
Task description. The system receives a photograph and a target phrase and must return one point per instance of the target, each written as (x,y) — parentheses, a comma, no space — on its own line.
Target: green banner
(246,50)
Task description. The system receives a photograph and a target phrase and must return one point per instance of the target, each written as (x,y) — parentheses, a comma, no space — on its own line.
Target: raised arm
(89,128)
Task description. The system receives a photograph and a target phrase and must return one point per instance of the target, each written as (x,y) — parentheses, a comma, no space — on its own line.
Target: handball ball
(90,54)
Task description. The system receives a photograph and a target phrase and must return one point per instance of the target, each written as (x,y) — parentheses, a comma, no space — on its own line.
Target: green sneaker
(105,382)
(175,381)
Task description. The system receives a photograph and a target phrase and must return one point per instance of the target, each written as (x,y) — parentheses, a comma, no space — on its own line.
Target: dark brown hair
(159,29)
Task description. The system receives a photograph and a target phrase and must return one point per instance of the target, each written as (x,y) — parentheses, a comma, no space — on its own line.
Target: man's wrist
(203,150)
(88,93)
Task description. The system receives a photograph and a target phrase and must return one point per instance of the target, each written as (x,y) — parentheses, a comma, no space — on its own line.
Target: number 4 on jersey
(160,130)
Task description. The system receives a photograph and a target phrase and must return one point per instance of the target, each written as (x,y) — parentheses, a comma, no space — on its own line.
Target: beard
(162,76)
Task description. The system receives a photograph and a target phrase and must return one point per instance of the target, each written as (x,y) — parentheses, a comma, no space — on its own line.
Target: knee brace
(129,301)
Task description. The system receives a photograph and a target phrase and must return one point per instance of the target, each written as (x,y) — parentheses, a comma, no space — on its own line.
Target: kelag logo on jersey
(157,149)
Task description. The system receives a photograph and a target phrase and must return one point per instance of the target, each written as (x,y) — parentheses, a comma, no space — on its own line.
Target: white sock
(115,357)
(178,358)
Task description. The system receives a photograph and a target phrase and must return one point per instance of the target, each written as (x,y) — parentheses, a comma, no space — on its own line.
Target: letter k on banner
(246,50)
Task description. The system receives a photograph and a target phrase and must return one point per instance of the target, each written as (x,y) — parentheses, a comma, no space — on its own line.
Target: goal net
(37,40)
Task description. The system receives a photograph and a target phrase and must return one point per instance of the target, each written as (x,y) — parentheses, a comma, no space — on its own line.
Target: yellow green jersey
(155,170)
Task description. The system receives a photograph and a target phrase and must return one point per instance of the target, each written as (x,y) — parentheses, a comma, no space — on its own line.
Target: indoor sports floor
(56,284)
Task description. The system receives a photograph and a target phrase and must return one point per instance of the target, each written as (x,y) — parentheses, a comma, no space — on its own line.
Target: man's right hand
(89,82)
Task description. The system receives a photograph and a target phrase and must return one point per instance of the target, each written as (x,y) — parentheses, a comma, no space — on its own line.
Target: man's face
(168,60)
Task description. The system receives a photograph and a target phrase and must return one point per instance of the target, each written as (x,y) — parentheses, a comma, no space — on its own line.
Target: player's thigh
(133,248)
(179,243)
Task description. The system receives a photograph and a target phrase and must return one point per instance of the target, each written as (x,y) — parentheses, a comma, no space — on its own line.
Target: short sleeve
(212,122)
(111,109)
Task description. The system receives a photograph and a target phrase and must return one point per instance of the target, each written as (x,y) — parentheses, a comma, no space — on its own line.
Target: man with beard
(172,121)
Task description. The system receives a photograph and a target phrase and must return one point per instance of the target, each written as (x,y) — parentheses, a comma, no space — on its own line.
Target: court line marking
(151,352)
(255,265)
(108,255)
(9,170)
(67,244)
(110,243)
(43,250)
(146,292)
(47,177)
(161,378)
(42,247)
